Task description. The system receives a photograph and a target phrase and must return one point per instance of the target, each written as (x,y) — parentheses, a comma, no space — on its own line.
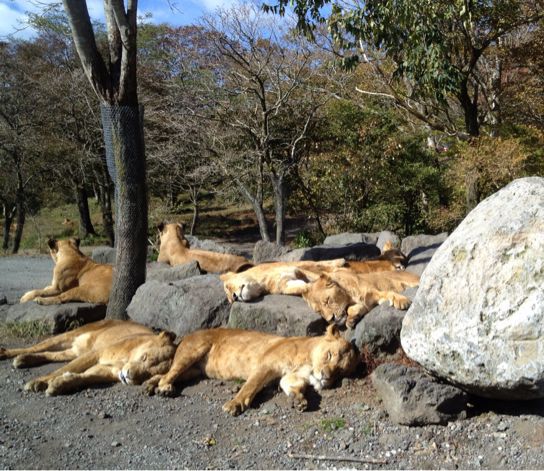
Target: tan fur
(260,359)
(174,249)
(75,277)
(344,296)
(101,352)
(273,278)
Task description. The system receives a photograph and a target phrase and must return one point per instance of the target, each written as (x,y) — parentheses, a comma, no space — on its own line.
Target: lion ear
(160,226)
(226,276)
(76,241)
(332,331)
(167,335)
(387,246)
(244,267)
(52,243)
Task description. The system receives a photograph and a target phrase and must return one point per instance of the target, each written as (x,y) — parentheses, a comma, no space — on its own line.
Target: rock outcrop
(478,317)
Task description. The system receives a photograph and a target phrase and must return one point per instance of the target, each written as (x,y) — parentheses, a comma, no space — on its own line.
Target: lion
(273,278)
(260,359)
(391,259)
(102,352)
(76,277)
(344,297)
(174,250)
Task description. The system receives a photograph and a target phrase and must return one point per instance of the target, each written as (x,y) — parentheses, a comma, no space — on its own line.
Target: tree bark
(20,219)
(8,219)
(85,223)
(278,185)
(123,132)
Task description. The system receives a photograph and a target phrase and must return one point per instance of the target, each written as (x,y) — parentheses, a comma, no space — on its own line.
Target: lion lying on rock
(343,297)
(260,359)
(75,277)
(101,352)
(174,251)
(391,259)
(273,278)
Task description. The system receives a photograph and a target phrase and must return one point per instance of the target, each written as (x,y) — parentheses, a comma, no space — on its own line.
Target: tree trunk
(8,219)
(105,192)
(196,209)
(20,220)
(495,118)
(123,134)
(278,184)
(85,223)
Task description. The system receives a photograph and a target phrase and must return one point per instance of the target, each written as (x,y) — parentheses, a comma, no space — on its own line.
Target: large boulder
(410,397)
(277,314)
(420,249)
(56,317)
(181,306)
(478,317)
(345,238)
(268,252)
(378,332)
(164,272)
(108,254)
(359,251)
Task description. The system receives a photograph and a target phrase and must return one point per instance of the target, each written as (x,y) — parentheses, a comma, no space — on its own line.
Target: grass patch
(330,425)
(24,330)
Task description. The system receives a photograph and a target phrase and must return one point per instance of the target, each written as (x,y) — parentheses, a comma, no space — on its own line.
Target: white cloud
(13,21)
(213,4)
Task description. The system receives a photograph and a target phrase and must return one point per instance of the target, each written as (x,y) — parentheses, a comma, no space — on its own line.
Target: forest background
(248,123)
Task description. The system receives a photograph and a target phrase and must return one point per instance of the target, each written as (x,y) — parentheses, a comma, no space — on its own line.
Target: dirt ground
(118,427)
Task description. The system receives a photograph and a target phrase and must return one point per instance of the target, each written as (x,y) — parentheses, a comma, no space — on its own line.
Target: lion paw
(401,302)
(166,390)
(234,407)
(299,403)
(43,301)
(21,361)
(36,385)
(26,297)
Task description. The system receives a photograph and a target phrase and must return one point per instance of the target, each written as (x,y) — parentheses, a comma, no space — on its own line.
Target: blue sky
(176,12)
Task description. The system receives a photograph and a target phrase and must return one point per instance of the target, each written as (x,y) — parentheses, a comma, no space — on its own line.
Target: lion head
(241,288)
(57,247)
(333,357)
(172,232)
(149,358)
(326,297)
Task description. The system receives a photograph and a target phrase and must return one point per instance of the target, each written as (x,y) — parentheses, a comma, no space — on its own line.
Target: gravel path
(118,427)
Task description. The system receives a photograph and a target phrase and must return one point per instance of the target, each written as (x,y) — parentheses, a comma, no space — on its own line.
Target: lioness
(273,278)
(391,259)
(260,359)
(104,358)
(174,250)
(75,277)
(69,345)
(343,297)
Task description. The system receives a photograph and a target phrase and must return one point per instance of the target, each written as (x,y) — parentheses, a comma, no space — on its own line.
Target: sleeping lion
(343,297)
(273,278)
(107,351)
(260,359)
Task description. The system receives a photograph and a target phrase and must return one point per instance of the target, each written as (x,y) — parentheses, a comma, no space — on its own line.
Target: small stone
(115,444)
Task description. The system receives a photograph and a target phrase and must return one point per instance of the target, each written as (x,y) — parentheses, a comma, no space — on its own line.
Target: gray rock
(163,272)
(378,333)
(359,251)
(108,254)
(104,255)
(351,238)
(181,306)
(411,397)
(268,252)
(278,314)
(388,236)
(57,317)
(207,244)
(419,249)
(478,317)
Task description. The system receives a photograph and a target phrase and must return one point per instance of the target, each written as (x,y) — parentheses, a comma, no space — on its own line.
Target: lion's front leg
(294,385)
(249,390)
(398,301)
(70,382)
(51,290)
(355,313)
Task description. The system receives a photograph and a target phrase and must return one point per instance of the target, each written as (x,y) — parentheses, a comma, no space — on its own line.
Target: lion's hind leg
(26,360)
(69,382)
(85,294)
(58,343)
